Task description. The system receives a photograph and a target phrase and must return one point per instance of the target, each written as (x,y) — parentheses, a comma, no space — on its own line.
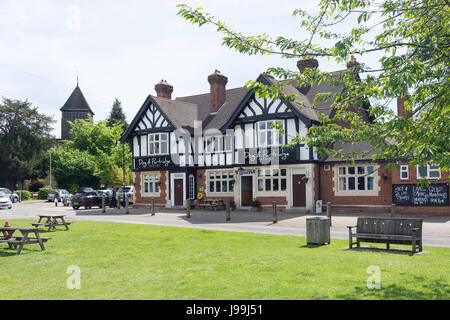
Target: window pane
(262,138)
(275,184)
(351,183)
(211,186)
(342,171)
(156,187)
(370,169)
(262,125)
(164,136)
(351,170)
(342,184)
(150,137)
(231,186)
(267,172)
(224,175)
(283,172)
(218,186)
(361,170)
(260,185)
(404,175)
(434,174)
(275,173)
(361,183)
(157,148)
(151,186)
(370,183)
(164,147)
(268,184)
(224,186)
(283,184)
(260,173)
(217,175)
(145,187)
(422,172)
(269,138)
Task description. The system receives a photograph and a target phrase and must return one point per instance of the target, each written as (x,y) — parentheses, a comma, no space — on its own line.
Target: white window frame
(428,172)
(264,175)
(217,143)
(150,181)
(274,132)
(404,169)
(229,180)
(153,142)
(344,175)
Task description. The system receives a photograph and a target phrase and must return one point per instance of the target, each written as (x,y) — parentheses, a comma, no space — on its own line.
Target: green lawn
(127,261)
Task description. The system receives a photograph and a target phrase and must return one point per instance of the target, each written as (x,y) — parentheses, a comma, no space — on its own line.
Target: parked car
(87,199)
(63,193)
(84,189)
(128,191)
(5,200)
(14,197)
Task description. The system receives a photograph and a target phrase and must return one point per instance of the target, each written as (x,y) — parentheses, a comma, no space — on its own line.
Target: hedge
(43,193)
(23,194)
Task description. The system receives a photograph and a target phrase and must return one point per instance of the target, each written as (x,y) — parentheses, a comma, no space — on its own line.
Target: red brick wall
(146,200)
(412,178)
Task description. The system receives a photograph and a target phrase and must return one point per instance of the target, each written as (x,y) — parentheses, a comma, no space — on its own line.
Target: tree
(91,158)
(117,115)
(24,139)
(408,39)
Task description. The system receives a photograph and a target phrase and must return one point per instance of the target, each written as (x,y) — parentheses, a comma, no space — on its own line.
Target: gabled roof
(76,102)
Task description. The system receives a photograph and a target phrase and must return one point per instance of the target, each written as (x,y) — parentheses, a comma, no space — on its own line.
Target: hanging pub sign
(152,163)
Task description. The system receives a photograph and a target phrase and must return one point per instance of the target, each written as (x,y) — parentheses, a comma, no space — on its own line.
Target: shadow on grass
(313,246)
(425,290)
(374,249)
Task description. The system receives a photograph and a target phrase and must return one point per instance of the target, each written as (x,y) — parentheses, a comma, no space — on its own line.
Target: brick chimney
(164,89)
(401,110)
(307,63)
(218,83)
(352,63)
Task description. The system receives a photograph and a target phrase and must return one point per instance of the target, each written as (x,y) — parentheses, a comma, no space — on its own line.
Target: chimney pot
(307,63)
(164,89)
(218,84)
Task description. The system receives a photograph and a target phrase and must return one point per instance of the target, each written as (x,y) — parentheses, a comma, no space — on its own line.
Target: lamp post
(123,168)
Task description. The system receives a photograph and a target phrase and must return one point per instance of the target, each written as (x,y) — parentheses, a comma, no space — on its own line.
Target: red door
(298,190)
(178,192)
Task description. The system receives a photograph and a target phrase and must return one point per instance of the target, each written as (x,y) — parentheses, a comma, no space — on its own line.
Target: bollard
(103,204)
(20,197)
(393,210)
(274,211)
(118,201)
(127,205)
(227,210)
(329,211)
(153,206)
(188,208)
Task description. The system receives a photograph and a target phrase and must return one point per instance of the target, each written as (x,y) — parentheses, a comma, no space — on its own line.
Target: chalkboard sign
(414,195)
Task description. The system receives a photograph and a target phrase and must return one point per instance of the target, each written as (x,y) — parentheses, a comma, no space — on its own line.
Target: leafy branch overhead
(405,44)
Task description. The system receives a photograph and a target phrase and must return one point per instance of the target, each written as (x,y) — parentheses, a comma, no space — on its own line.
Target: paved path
(436,230)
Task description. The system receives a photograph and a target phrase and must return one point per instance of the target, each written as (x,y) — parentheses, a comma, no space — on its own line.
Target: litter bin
(317,230)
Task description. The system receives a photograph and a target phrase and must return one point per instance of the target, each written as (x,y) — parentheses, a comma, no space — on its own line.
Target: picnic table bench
(52,221)
(17,242)
(407,231)
(213,204)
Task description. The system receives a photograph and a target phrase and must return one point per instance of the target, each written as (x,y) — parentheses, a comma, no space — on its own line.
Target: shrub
(43,193)
(255,203)
(35,185)
(23,194)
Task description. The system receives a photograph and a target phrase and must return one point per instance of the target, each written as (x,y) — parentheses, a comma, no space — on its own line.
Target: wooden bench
(17,242)
(407,231)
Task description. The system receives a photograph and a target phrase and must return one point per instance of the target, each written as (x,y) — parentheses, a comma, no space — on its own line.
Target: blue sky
(121,49)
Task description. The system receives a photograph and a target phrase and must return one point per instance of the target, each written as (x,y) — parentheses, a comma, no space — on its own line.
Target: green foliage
(410,42)
(35,185)
(117,115)
(255,203)
(24,140)
(91,157)
(43,193)
(23,194)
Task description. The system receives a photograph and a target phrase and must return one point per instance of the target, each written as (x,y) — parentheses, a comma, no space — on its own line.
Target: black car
(87,199)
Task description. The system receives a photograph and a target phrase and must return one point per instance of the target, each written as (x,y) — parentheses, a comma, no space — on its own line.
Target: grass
(128,261)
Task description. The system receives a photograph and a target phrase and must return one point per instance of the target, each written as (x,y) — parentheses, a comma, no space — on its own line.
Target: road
(436,230)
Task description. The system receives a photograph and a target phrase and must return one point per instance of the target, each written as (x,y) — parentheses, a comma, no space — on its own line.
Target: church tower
(76,107)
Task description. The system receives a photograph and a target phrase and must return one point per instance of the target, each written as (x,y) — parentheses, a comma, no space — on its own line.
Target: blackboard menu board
(414,195)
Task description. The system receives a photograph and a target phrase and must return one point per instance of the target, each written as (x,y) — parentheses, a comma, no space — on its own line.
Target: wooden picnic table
(52,221)
(17,242)
(213,204)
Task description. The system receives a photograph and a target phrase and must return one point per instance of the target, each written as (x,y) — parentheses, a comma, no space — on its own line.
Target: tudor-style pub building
(222,144)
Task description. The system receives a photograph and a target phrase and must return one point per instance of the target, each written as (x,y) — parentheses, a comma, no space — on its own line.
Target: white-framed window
(356,178)
(428,172)
(404,173)
(221,181)
(191,186)
(158,143)
(268,136)
(218,144)
(271,180)
(151,183)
